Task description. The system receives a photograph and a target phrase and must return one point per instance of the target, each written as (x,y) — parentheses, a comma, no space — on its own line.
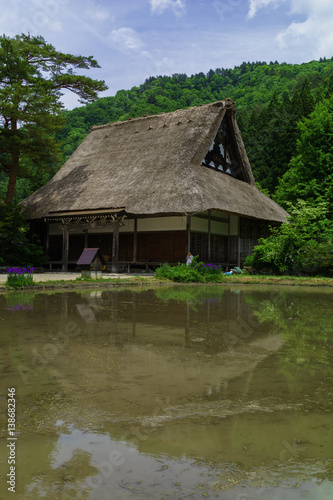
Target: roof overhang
(109,213)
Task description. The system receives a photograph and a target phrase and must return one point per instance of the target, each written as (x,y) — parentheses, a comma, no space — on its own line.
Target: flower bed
(19,277)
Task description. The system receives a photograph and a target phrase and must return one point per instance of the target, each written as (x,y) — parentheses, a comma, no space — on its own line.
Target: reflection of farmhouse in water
(169,348)
(164,378)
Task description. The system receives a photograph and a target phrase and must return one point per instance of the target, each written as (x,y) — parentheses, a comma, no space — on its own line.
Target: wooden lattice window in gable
(222,154)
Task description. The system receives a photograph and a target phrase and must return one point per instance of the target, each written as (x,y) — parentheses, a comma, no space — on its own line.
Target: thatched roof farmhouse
(150,189)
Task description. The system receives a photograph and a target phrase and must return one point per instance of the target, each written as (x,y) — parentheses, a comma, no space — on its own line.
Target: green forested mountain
(271,99)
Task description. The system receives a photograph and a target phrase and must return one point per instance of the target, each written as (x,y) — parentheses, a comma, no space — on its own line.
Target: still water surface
(169,393)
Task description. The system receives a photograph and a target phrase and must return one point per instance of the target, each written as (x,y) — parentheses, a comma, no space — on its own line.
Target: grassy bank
(85,283)
(280,280)
(152,280)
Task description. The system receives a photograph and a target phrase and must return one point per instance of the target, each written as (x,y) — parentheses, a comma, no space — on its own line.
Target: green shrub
(301,245)
(15,248)
(317,258)
(195,272)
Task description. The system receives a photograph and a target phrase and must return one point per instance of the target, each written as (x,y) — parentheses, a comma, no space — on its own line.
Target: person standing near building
(189,258)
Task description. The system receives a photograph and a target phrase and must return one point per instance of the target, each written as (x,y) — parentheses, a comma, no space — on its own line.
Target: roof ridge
(221,103)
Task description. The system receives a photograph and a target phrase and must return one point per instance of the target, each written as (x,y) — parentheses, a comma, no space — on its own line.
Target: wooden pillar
(65,247)
(188,234)
(229,243)
(47,239)
(47,243)
(239,242)
(85,238)
(209,252)
(115,247)
(135,240)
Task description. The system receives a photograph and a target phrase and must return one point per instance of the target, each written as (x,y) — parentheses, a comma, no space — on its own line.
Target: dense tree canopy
(32,76)
(310,174)
(271,133)
(302,245)
(15,248)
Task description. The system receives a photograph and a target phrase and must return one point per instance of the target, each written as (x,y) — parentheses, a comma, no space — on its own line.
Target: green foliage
(302,245)
(303,321)
(272,133)
(179,273)
(18,277)
(195,272)
(32,75)
(310,176)
(15,248)
(317,258)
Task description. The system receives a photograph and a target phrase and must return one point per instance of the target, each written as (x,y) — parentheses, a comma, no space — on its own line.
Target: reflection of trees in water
(19,301)
(193,295)
(215,315)
(304,320)
(206,319)
(162,319)
(227,323)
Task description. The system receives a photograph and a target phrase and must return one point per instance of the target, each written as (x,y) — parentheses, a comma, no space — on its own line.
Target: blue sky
(135,39)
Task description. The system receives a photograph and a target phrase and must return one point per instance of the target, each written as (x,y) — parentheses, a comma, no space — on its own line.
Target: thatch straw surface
(153,165)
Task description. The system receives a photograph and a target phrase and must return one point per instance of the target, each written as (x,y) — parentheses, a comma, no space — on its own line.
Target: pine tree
(32,75)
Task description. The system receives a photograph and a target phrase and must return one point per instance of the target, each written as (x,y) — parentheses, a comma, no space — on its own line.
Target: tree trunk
(13,171)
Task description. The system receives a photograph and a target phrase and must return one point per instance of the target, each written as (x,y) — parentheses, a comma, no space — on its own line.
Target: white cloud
(126,38)
(97,12)
(255,5)
(159,6)
(37,16)
(314,32)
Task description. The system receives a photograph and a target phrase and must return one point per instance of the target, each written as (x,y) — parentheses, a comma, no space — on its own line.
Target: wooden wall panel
(179,246)
(126,246)
(162,246)
(143,247)
(55,247)
(76,246)
(103,241)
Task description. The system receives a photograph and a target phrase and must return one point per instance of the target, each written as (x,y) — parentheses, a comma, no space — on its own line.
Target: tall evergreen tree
(32,76)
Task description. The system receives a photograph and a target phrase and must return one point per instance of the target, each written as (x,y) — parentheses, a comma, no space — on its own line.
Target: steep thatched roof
(153,165)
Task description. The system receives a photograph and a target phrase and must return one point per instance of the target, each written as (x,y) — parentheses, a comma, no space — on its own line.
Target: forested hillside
(271,99)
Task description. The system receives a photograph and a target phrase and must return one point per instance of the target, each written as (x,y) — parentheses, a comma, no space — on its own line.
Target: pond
(168,392)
